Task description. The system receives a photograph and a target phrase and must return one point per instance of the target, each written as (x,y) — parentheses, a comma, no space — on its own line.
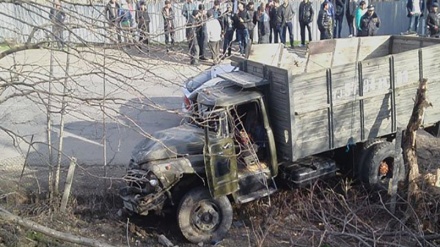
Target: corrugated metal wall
(17,21)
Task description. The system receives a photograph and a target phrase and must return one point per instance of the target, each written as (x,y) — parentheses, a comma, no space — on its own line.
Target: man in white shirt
(214,36)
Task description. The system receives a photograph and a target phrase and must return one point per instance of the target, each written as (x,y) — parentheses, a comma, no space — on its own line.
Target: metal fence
(18,21)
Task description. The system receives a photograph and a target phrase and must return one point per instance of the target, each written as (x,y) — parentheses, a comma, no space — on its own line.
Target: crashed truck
(285,122)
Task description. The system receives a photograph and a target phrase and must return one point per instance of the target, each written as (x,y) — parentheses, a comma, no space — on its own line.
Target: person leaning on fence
(324,22)
(228,29)
(433,21)
(143,24)
(414,10)
(305,15)
(168,24)
(263,25)
(360,11)
(191,37)
(350,13)
(214,36)
(111,14)
(370,22)
(57,16)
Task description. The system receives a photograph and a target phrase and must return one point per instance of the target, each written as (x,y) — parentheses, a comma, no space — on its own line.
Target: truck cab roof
(227,95)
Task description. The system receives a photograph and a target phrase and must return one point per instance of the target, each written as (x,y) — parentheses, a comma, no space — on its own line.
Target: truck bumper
(136,201)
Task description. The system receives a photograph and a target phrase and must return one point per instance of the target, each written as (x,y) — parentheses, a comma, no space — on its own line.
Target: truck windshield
(217,122)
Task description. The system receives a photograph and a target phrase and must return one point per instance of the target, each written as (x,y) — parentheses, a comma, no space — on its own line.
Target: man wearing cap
(370,22)
(191,36)
(228,29)
(433,21)
(168,23)
(415,10)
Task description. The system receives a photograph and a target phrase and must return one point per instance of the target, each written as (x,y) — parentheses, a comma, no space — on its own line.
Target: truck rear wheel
(366,149)
(379,165)
(202,218)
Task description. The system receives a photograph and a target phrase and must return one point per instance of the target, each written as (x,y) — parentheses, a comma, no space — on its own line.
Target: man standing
(241,23)
(433,21)
(306,14)
(111,14)
(289,14)
(350,13)
(279,21)
(228,29)
(168,23)
(57,16)
(263,25)
(143,23)
(214,36)
(251,24)
(215,10)
(188,9)
(331,15)
(415,10)
(191,36)
(202,32)
(339,16)
(370,22)
(324,23)
(360,11)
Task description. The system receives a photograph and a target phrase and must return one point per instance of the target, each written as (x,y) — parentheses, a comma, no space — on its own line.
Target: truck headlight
(154,182)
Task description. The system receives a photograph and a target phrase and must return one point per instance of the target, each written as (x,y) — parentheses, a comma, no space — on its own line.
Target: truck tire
(367,148)
(379,165)
(202,218)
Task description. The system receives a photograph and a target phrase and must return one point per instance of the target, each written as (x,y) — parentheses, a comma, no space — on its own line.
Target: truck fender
(169,173)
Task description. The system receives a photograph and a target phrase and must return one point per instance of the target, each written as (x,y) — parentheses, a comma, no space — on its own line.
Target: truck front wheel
(202,218)
(379,165)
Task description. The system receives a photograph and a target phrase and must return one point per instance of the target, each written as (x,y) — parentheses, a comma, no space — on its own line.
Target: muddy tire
(365,150)
(202,218)
(379,165)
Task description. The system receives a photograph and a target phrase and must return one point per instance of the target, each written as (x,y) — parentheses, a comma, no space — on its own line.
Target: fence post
(68,184)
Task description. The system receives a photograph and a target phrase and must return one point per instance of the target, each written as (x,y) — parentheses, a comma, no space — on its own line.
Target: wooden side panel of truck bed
(355,102)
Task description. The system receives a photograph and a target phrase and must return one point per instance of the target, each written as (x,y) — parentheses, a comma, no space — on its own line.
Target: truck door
(219,154)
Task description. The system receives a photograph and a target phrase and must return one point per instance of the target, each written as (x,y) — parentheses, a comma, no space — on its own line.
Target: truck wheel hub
(206,216)
(383,168)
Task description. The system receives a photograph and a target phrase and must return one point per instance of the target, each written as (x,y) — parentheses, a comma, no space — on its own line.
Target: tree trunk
(409,140)
(14,219)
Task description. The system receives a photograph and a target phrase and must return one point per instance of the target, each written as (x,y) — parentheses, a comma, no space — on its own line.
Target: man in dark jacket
(57,16)
(143,22)
(370,22)
(228,30)
(111,14)
(202,32)
(168,22)
(339,16)
(350,12)
(278,21)
(433,21)
(324,22)
(241,20)
(191,36)
(263,24)
(305,14)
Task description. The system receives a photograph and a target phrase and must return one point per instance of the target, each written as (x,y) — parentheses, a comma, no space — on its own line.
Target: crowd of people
(214,30)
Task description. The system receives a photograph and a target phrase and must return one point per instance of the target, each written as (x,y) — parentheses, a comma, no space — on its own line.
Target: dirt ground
(323,215)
